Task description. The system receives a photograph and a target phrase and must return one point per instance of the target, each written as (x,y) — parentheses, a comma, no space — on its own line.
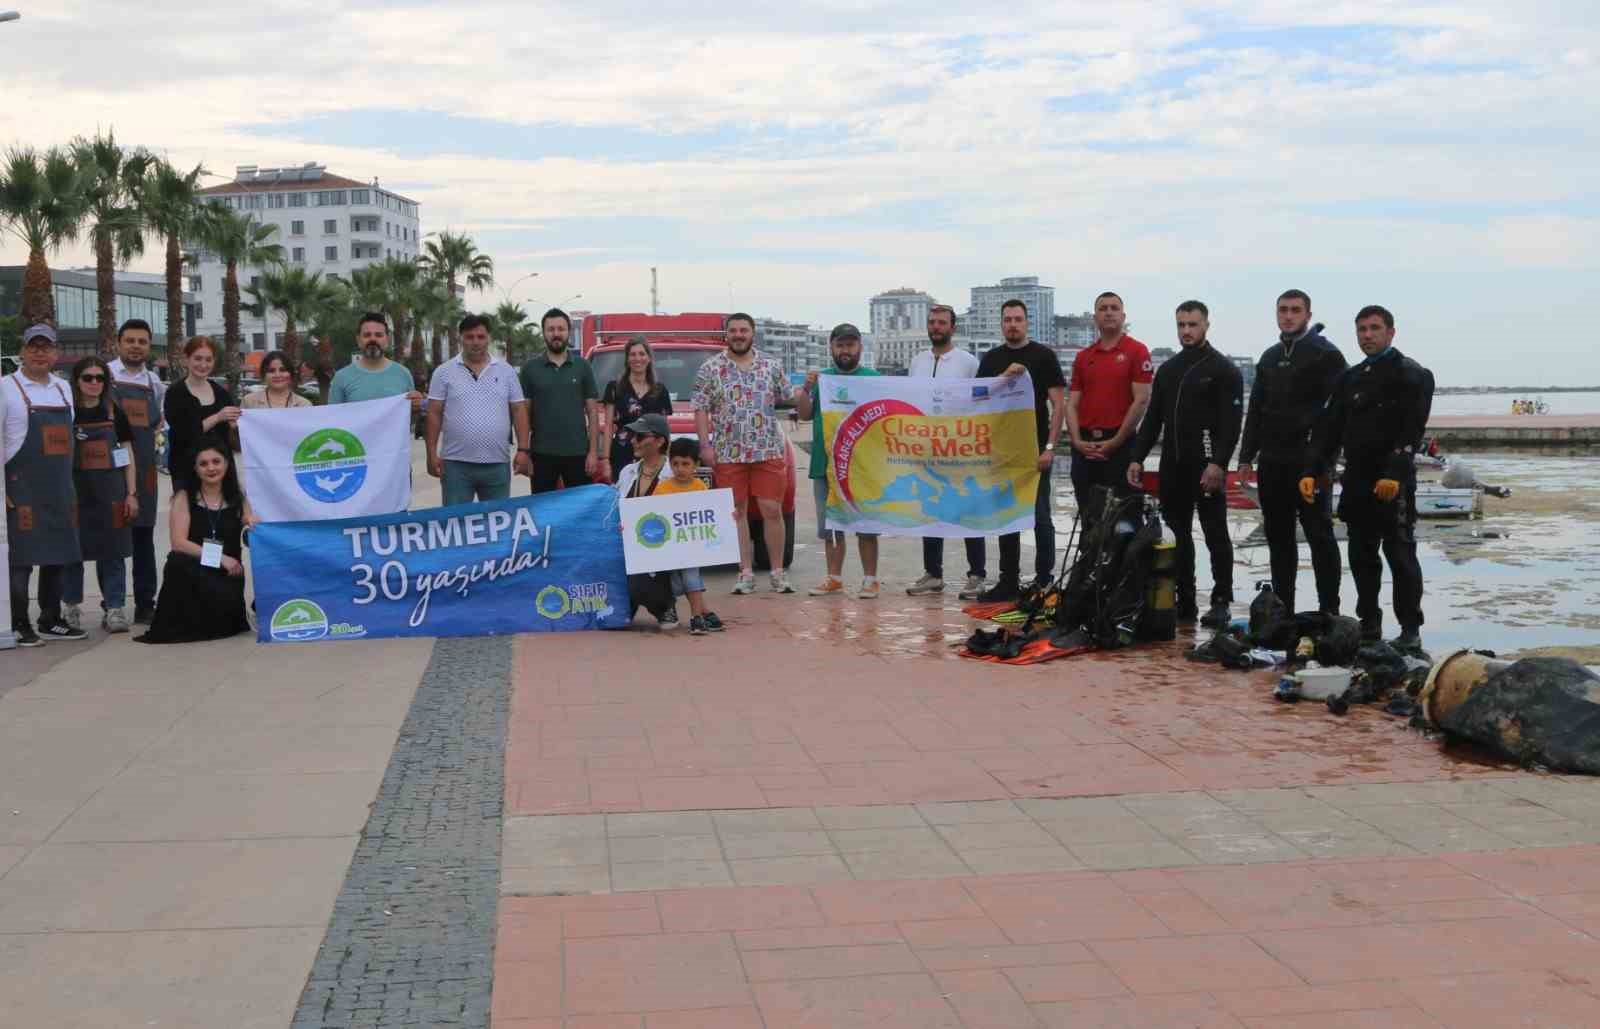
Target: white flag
(338,461)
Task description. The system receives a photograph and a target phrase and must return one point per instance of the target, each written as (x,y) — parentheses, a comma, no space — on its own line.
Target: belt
(1095,435)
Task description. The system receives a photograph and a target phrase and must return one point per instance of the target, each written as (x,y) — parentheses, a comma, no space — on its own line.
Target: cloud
(816,154)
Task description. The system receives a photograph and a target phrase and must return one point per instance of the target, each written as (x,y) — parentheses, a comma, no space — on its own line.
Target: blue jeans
(466,481)
(1044,540)
(113,576)
(687,580)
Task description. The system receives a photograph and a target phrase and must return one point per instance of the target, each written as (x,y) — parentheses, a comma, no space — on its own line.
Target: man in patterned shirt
(736,395)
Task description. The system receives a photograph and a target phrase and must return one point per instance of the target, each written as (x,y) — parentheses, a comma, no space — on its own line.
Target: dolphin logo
(332,448)
(329,484)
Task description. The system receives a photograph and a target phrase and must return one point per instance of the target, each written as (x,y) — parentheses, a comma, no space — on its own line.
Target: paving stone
(768,820)
(633,849)
(795,843)
(779,871)
(958,812)
(875,816)
(662,823)
(860,841)
(670,875)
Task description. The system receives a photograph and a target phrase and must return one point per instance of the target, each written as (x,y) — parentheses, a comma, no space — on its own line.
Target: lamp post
(505,294)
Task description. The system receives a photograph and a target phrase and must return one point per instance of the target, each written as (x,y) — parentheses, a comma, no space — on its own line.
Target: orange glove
(1386,490)
(1308,490)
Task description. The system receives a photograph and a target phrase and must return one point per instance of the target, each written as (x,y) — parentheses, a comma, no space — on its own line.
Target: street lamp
(505,294)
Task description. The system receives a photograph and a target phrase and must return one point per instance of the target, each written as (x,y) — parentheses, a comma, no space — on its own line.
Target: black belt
(1096,435)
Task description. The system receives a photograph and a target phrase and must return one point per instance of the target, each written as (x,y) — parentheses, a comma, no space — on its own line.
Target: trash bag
(1384,665)
(1271,625)
(1339,641)
(1539,710)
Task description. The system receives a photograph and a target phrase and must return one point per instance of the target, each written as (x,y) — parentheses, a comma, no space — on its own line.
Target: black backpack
(1271,624)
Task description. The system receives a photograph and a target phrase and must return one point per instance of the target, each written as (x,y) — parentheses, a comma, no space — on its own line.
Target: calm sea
(1500,403)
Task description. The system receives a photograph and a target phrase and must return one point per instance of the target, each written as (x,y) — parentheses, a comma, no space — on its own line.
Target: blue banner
(548,563)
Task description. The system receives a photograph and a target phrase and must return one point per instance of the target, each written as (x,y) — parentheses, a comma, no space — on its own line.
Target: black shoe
(712,622)
(1408,642)
(1004,591)
(1187,612)
(61,631)
(143,615)
(1218,616)
(1371,631)
(26,637)
(697,625)
(1040,583)
(669,618)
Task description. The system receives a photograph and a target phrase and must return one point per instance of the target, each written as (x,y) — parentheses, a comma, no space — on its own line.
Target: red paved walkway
(1504,939)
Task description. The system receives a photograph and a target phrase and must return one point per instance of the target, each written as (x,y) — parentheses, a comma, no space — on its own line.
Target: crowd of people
(80,457)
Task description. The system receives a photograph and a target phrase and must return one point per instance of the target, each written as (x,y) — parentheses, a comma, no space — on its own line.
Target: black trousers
(933,556)
(1087,474)
(1044,539)
(1281,506)
(549,469)
(1391,528)
(51,580)
(1181,500)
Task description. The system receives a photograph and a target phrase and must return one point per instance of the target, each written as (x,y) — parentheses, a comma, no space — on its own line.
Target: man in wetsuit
(1293,380)
(1196,405)
(1377,415)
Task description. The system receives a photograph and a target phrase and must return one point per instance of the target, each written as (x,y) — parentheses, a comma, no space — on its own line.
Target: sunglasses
(91,378)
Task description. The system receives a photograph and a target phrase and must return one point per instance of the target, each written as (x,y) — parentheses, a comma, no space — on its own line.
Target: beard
(938,339)
(846,364)
(373,351)
(555,345)
(740,347)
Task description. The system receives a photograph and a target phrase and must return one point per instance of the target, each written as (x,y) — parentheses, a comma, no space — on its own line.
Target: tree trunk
(438,349)
(419,356)
(324,366)
(291,345)
(455,336)
(105,285)
(177,331)
(232,335)
(38,294)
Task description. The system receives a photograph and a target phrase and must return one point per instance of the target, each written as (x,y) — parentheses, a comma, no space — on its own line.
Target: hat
(650,425)
(844,330)
(37,332)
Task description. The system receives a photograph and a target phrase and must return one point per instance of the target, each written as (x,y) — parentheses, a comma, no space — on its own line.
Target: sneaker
(972,589)
(26,637)
(745,585)
(926,585)
(1218,616)
(669,619)
(1004,591)
(697,625)
(780,583)
(143,615)
(870,588)
(827,587)
(1409,641)
(114,620)
(712,622)
(72,614)
(61,631)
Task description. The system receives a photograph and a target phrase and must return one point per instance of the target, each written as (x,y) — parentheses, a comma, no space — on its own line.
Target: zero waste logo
(330,465)
(296,621)
(652,531)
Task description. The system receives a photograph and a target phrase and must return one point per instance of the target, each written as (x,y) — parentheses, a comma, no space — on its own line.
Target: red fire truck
(679,345)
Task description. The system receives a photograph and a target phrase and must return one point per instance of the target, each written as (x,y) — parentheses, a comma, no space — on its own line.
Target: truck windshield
(675,369)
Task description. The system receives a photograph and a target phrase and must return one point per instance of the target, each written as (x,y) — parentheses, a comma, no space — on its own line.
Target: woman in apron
(41,511)
(202,586)
(104,475)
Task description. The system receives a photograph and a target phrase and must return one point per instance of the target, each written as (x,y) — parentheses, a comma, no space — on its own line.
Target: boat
(1434,500)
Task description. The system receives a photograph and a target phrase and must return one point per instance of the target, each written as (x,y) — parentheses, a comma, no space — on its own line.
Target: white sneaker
(746,584)
(870,588)
(72,614)
(926,585)
(115,620)
(780,583)
(974,586)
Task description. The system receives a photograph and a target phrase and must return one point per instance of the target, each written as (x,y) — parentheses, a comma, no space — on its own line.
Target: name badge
(119,457)
(211,554)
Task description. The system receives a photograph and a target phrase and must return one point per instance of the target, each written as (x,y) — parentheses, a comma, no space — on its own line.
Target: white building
(898,320)
(983,317)
(799,346)
(326,223)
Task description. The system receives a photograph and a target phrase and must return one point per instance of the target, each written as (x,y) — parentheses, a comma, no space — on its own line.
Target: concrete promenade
(821,817)
(1515,430)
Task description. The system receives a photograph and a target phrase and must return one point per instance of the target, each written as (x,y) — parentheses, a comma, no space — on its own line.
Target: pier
(1521,430)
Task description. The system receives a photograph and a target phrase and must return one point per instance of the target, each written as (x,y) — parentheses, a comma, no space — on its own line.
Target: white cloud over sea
(1437,157)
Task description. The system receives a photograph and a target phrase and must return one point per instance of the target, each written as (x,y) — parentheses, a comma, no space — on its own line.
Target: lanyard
(213,518)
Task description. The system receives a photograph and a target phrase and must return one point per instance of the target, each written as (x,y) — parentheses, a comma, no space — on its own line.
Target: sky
(1440,158)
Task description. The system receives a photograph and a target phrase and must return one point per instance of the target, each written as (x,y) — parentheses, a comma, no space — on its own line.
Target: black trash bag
(1271,625)
(1233,650)
(1385,665)
(1540,710)
(652,591)
(1339,642)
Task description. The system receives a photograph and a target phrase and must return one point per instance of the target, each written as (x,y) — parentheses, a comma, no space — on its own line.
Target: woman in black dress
(196,406)
(635,393)
(202,586)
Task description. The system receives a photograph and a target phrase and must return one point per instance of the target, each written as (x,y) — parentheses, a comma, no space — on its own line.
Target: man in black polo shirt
(1016,355)
(564,410)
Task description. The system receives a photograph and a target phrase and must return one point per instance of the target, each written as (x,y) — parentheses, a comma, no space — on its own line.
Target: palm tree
(437,308)
(41,202)
(509,320)
(455,258)
(172,206)
(235,239)
(296,294)
(112,179)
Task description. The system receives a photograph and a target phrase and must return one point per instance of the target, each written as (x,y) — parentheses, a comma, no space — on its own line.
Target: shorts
(819,489)
(687,580)
(764,480)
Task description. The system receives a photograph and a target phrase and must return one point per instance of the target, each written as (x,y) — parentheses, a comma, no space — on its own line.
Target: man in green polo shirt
(845,345)
(564,410)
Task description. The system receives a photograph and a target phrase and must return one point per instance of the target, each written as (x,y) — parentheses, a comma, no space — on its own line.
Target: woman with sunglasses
(279,390)
(106,481)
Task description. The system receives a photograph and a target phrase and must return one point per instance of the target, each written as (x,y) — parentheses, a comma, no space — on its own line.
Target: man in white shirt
(944,360)
(475,402)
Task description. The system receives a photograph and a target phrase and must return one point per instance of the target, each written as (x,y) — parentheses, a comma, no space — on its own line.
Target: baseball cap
(650,425)
(37,331)
(844,330)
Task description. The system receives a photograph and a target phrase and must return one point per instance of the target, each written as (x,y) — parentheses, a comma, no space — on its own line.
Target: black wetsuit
(1377,415)
(1293,380)
(1196,406)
